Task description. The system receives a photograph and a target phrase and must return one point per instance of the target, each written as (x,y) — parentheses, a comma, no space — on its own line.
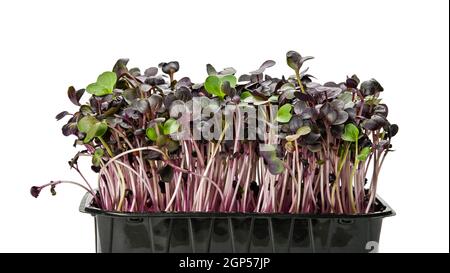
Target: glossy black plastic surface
(236,232)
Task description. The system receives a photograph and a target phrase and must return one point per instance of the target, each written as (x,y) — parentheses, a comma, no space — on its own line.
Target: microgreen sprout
(253,143)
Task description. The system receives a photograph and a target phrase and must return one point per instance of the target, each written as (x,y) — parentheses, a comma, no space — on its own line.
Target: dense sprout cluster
(313,154)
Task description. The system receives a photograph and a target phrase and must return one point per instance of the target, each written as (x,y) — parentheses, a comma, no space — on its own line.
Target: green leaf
(229,78)
(96,161)
(170,126)
(351,133)
(97,130)
(371,100)
(107,79)
(364,153)
(304,130)
(85,123)
(104,85)
(284,113)
(97,90)
(99,152)
(245,95)
(151,133)
(273,98)
(97,157)
(213,86)
(100,128)
(292,137)
(92,127)
(89,136)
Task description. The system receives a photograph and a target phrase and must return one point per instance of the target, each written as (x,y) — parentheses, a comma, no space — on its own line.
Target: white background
(45,46)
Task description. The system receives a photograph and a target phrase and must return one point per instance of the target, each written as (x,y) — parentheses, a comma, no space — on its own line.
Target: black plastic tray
(199,232)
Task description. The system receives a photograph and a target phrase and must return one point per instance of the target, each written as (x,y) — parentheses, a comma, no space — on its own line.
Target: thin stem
(54,183)
(122,187)
(350,184)
(177,187)
(338,177)
(297,75)
(108,149)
